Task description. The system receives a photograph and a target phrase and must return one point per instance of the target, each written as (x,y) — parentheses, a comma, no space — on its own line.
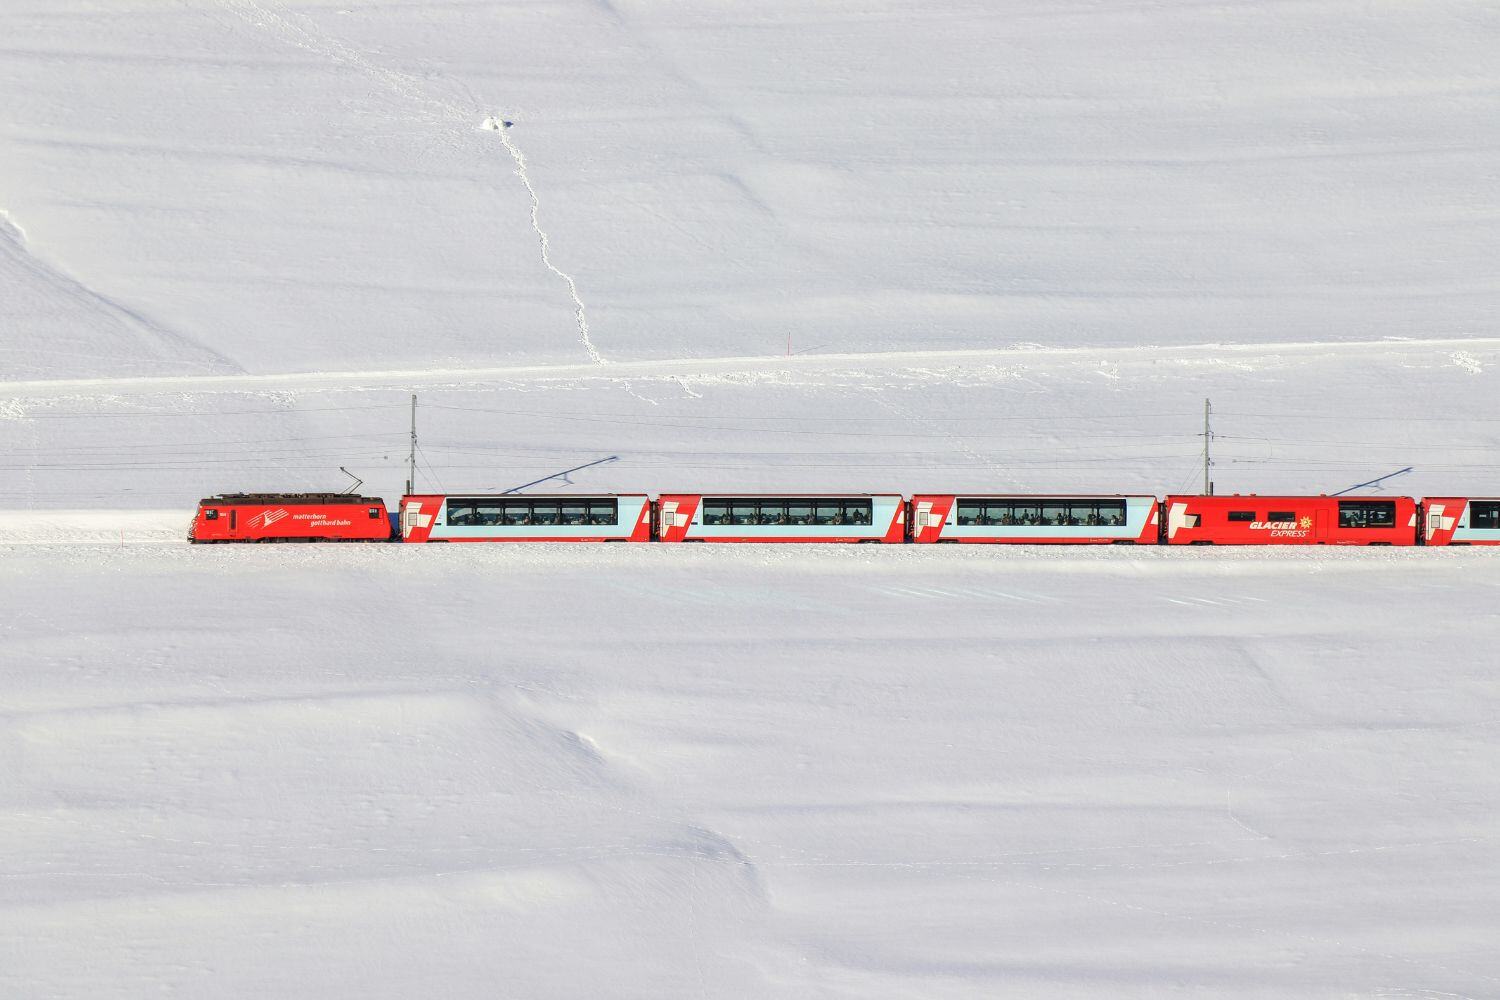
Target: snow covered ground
(967,245)
(680,771)
(265,185)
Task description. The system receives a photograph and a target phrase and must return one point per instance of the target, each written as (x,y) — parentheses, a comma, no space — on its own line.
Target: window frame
(1490,514)
(1366,508)
(508,511)
(1041,512)
(785,512)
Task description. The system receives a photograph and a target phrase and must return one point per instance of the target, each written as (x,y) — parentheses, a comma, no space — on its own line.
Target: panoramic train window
(1242,515)
(978,512)
(520,513)
(1367,513)
(546,513)
(1484,514)
(775,511)
(828,513)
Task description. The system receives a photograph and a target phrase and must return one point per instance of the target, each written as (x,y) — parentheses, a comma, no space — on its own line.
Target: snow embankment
(127,527)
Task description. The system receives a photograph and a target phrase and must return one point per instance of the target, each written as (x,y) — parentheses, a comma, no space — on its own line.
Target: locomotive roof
(311,499)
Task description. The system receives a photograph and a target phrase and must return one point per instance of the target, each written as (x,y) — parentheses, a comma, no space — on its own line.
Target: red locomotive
(1249,519)
(290,517)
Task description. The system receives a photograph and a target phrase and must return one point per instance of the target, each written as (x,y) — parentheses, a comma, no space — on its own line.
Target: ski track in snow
(579,312)
(998,363)
(446,114)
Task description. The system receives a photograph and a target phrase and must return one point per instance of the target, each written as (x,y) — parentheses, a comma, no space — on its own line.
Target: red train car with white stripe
(1461,520)
(523,517)
(290,517)
(801,517)
(1045,520)
(1248,519)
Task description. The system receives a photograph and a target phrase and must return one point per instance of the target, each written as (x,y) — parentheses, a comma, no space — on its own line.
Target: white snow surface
(970,245)
(388,771)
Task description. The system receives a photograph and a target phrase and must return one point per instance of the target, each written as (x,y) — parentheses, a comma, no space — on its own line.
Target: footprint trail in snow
(502,128)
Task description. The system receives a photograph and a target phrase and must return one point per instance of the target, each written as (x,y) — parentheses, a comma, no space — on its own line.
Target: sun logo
(1306,522)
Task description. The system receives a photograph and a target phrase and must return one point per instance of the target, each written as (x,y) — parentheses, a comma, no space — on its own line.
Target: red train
(1262,520)
(925,518)
(526,518)
(695,517)
(291,517)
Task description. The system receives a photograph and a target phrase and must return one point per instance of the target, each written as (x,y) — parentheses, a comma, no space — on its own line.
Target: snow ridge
(63,287)
(579,312)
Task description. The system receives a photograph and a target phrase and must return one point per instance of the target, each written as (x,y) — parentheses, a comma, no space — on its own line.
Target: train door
(1320,521)
(234,517)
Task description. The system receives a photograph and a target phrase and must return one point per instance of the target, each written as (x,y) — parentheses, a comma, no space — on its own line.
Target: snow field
(274,186)
(747,771)
(1013,246)
(1294,418)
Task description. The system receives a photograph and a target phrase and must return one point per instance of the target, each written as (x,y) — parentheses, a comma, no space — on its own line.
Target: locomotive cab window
(1484,514)
(210,515)
(1367,513)
(373,512)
